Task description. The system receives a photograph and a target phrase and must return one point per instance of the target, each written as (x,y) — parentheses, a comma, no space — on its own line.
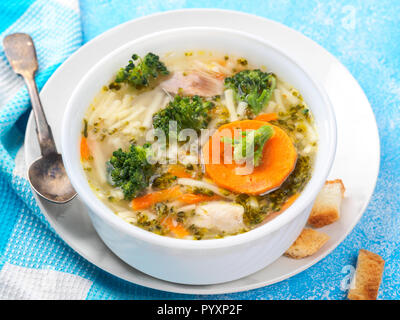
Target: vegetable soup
(197,144)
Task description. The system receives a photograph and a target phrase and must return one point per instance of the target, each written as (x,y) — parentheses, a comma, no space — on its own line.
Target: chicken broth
(175,191)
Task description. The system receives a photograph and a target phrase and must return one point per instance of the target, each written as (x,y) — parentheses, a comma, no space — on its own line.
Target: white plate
(356,163)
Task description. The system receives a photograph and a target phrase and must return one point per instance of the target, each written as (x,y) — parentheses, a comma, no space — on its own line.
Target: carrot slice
(267,117)
(219,75)
(222,62)
(149,199)
(175,227)
(179,171)
(278,160)
(191,198)
(85,151)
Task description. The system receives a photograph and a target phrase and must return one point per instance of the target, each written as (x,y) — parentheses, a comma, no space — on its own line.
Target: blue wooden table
(362,34)
(365,37)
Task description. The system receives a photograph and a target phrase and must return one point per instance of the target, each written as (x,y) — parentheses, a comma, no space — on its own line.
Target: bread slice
(308,242)
(368,276)
(326,209)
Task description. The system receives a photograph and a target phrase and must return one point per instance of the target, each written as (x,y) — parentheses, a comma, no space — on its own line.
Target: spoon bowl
(48,178)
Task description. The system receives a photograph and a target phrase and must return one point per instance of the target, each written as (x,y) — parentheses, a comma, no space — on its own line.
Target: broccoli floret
(140,74)
(187,112)
(254,87)
(250,145)
(130,170)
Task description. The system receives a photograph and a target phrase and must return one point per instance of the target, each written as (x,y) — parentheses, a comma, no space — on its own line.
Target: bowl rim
(97,207)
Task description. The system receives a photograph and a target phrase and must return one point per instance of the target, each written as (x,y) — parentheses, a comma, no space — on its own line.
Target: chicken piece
(194,82)
(220,215)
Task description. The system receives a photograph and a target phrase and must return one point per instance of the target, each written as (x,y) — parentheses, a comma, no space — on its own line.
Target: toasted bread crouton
(368,276)
(326,209)
(308,242)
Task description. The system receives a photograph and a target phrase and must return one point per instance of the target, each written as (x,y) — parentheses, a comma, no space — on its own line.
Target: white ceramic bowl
(205,261)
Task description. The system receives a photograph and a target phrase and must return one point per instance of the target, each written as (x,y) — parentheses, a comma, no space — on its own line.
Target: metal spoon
(47,174)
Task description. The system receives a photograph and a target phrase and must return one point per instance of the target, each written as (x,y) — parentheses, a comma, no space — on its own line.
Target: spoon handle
(43,130)
(21,54)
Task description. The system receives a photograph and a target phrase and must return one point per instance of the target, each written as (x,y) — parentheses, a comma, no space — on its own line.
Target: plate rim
(181,288)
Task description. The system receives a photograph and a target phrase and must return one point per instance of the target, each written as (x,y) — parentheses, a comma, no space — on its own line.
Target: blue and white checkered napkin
(34,262)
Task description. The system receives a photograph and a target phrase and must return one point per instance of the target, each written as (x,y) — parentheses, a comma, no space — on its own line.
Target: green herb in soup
(250,141)
(179,193)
